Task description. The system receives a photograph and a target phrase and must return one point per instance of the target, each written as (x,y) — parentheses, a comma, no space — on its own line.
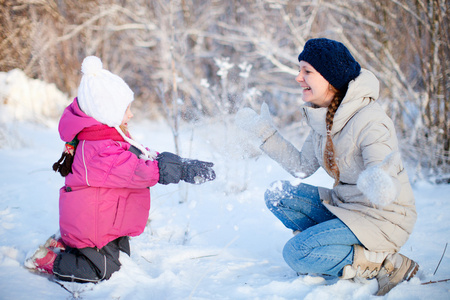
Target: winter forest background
(189,60)
(192,64)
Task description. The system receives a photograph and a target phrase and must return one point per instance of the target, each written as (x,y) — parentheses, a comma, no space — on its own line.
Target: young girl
(106,197)
(356,229)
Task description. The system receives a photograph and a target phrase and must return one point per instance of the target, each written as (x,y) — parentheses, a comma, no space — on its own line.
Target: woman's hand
(377,183)
(259,125)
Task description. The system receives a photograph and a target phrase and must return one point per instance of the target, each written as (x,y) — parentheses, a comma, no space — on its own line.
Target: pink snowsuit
(107,195)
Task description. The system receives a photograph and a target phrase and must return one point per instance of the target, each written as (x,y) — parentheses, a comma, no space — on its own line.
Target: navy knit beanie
(332,60)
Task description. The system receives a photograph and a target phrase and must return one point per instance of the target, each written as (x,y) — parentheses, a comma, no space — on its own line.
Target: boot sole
(412,271)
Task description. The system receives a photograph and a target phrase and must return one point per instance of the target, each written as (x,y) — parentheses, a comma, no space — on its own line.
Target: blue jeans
(324,245)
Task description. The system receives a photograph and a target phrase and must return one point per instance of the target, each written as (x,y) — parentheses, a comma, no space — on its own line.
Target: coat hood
(73,121)
(366,85)
(361,91)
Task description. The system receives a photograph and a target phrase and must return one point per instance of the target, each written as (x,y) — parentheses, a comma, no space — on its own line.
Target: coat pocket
(120,211)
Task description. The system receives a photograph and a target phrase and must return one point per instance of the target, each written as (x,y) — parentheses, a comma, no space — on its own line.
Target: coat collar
(361,91)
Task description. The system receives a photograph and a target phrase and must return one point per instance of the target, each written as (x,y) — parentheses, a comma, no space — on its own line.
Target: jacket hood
(73,121)
(366,85)
(361,91)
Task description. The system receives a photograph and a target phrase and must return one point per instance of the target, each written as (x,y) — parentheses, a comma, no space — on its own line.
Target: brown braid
(329,154)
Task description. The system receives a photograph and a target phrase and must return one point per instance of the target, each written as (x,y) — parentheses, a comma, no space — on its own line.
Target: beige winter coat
(363,135)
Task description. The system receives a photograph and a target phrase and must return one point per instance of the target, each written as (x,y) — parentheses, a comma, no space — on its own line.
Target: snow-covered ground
(211,241)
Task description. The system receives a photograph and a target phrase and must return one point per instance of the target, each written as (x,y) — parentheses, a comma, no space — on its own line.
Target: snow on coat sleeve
(111,165)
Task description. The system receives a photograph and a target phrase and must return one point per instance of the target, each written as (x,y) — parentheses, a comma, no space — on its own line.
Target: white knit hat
(103,95)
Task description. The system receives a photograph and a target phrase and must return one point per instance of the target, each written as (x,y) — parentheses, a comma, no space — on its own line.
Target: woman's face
(316,89)
(127,117)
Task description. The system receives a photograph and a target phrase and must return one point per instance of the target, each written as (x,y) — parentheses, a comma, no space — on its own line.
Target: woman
(356,229)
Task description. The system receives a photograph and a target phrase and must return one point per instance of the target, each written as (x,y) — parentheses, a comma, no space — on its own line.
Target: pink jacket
(107,195)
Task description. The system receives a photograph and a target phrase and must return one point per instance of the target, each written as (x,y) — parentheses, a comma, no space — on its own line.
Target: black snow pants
(90,264)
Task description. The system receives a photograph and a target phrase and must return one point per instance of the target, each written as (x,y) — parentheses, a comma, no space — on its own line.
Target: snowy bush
(25,99)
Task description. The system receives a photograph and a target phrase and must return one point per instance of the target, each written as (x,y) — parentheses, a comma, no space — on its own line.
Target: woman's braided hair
(329,153)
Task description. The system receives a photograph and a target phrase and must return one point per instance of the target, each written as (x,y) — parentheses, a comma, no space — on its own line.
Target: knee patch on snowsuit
(90,264)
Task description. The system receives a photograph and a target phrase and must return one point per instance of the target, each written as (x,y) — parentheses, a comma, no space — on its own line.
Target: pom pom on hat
(332,60)
(103,95)
(91,65)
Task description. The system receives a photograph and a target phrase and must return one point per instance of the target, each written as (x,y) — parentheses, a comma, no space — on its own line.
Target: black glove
(173,168)
(197,172)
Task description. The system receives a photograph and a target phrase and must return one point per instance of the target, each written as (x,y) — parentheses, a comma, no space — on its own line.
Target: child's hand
(197,172)
(173,168)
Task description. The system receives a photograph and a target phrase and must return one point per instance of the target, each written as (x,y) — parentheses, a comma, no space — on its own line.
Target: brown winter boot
(396,268)
(366,264)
